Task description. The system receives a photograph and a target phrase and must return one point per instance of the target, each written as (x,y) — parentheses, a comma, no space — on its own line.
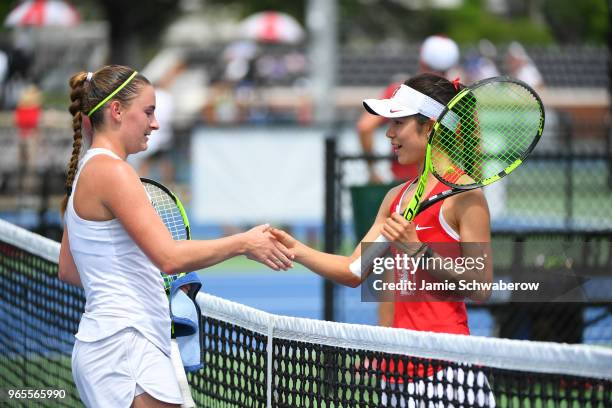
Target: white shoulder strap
(86,157)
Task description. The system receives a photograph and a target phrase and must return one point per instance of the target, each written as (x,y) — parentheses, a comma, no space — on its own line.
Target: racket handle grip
(367,257)
(177,363)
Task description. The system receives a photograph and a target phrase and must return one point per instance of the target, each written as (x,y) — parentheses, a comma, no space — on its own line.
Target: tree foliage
(472,22)
(135,26)
(584,21)
(564,21)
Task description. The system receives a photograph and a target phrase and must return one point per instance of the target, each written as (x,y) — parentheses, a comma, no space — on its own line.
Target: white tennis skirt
(112,371)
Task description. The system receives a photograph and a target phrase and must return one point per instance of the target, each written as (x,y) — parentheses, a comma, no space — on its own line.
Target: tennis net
(257,359)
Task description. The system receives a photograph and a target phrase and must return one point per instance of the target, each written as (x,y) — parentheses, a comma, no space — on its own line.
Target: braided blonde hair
(86,92)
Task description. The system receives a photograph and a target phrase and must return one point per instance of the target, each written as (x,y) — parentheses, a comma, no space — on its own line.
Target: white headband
(89,76)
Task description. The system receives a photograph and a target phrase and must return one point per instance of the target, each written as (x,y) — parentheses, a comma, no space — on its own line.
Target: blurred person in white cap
(480,64)
(438,55)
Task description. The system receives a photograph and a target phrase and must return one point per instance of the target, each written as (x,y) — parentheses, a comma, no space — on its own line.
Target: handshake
(270,246)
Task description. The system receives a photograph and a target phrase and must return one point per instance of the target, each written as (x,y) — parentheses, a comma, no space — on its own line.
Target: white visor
(406,101)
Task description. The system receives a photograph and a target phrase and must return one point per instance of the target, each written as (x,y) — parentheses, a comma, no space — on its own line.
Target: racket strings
(168,211)
(452,152)
(498,123)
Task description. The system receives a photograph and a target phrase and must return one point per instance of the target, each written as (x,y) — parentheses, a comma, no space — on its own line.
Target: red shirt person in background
(27,112)
(27,120)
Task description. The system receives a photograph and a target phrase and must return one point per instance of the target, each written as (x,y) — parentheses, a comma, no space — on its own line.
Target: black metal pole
(331,191)
(566,129)
(43,228)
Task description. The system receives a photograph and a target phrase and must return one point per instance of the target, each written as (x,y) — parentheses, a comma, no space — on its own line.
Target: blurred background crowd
(269,62)
(238,62)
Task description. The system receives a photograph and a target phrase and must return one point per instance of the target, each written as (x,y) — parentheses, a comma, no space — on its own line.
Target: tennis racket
(483,134)
(169,208)
(171,211)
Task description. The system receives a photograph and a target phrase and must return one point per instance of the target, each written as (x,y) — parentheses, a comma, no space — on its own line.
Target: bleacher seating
(567,66)
(575,66)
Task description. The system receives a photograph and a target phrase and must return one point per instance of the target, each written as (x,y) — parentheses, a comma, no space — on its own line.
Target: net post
(565,128)
(269,361)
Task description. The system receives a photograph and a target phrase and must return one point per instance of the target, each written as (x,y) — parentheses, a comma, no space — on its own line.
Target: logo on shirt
(419,228)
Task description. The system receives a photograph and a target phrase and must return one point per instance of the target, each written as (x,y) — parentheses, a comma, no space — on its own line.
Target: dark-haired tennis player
(115,246)
(464,217)
(461,218)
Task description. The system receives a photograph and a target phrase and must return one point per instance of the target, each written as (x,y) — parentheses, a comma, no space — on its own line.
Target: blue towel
(186,318)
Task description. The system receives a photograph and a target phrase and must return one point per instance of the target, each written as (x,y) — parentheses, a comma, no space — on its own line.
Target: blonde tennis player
(115,246)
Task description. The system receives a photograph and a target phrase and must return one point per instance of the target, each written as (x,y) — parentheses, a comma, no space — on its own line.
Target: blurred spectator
(481,65)
(27,112)
(240,50)
(222,106)
(520,66)
(438,55)
(27,120)
(230,94)
(247,71)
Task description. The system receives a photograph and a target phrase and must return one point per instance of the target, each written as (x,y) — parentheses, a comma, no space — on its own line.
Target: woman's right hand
(262,246)
(284,238)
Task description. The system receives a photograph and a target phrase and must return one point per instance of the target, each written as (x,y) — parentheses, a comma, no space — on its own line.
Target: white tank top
(123,288)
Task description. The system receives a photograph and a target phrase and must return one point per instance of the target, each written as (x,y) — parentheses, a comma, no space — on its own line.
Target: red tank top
(436,315)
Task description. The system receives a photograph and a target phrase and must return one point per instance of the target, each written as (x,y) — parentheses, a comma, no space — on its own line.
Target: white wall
(260,174)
